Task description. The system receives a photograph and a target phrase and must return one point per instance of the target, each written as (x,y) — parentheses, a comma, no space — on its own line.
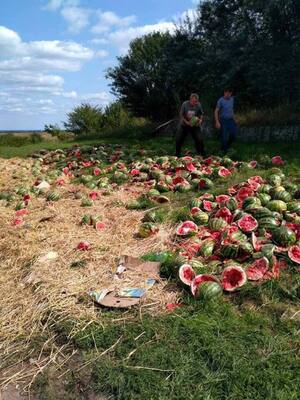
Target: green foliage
(85,119)
(116,116)
(20,140)
(250,45)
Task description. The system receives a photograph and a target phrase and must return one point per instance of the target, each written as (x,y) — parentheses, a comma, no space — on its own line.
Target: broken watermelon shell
(294,254)
(186,228)
(199,279)
(247,223)
(186,274)
(257,269)
(233,277)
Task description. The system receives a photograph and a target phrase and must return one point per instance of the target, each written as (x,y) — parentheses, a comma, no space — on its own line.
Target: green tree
(141,79)
(85,119)
(117,116)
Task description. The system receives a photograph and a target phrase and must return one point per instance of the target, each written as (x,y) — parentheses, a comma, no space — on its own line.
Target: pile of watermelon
(106,167)
(251,233)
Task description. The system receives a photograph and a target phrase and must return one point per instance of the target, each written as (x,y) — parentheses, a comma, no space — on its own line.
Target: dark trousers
(196,134)
(228,132)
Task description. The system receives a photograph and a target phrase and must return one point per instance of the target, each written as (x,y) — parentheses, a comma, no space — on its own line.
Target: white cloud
(122,37)
(54,5)
(10,42)
(101,53)
(98,41)
(31,79)
(108,20)
(76,17)
(101,97)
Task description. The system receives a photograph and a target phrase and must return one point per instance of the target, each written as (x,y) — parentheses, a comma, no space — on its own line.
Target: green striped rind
(294,207)
(277,205)
(217,224)
(207,248)
(53,196)
(201,218)
(267,223)
(209,291)
(284,236)
(251,202)
(283,195)
(265,188)
(264,198)
(86,202)
(230,250)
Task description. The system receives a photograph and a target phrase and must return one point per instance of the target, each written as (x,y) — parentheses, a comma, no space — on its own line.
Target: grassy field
(245,346)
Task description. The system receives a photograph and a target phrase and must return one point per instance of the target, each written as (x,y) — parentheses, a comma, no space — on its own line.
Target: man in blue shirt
(224,117)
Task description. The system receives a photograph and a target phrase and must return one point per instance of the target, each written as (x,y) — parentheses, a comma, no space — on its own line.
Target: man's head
(194,99)
(227,93)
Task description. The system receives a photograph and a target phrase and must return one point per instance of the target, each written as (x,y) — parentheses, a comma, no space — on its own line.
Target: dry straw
(34,296)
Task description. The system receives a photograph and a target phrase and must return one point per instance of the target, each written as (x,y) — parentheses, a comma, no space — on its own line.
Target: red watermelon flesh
(277,160)
(258,269)
(200,279)
(233,278)
(207,205)
(186,274)
(253,164)
(223,172)
(247,223)
(190,167)
(225,214)
(195,210)
(222,198)
(257,243)
(256,179)
(186,228)
(294,254)
(243,193)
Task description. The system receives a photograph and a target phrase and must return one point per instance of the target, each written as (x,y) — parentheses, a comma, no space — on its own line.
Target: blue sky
(54,53)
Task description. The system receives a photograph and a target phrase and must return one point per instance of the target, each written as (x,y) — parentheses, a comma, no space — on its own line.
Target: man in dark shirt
(224,117)
(191,118)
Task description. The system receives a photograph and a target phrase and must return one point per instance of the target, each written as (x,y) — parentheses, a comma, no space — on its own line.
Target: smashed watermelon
(247,223)
(186,274)
(294,254)
(258,269)
(186,228)
(233,277)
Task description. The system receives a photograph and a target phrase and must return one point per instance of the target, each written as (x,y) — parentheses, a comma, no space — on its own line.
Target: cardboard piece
(149,268)
(112,301)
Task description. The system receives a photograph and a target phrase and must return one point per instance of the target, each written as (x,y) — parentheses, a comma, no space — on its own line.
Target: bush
(12,140)
(85,119)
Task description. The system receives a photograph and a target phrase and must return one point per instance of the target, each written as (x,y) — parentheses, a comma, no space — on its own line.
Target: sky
(54,53)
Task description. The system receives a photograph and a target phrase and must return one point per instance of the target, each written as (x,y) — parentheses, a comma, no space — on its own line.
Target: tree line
(252,46)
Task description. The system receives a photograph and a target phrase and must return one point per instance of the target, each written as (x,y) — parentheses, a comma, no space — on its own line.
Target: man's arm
(181,116)
(217,120)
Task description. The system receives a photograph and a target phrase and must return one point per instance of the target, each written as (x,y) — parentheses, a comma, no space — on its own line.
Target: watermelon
(199,279)
(294,207)
(209,290)
(186,274)
(247,223)
(257,269)
(277,160)
(233,277)
(284,236)
(86,202)
(294,254)
(147,229)
(277,205)
(186,228)
(282,195)
(217,224)
(224,172)
(200,217)
(53,196)
(207,247)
